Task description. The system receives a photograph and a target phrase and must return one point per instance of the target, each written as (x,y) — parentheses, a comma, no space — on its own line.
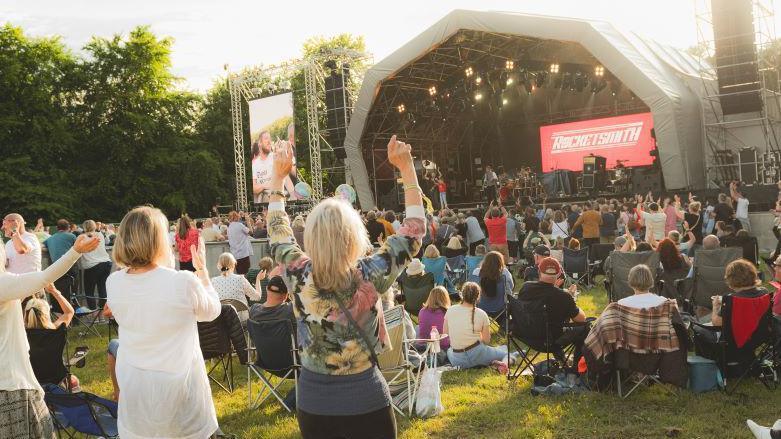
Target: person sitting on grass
(468,328)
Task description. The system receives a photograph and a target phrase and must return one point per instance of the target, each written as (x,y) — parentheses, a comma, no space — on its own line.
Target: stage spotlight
(509,81)
(478,79)
(598,85)
(479,96)
(599,71)
(468,72)
(401,108)
(554,68)
(432,90)
(504,101)
(509,65)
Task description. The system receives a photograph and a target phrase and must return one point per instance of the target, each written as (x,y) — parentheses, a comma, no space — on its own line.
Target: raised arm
(19,286)
(67,309)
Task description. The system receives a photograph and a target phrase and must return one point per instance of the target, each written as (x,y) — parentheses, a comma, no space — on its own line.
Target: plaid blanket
(640,331)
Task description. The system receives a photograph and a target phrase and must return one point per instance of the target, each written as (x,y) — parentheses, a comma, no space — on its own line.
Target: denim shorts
(481,355)
(113,347)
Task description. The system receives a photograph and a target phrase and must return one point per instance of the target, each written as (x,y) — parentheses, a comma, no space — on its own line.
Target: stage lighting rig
(401,108)
(478,80)
(509,65)
(469,72)
(599,71)
(540,78)
(554,68)
(432,91)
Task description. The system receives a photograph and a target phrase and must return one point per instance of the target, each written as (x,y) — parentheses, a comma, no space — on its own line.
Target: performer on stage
(490,181)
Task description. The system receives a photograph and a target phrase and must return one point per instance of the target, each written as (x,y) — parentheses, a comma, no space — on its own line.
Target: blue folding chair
(81,412)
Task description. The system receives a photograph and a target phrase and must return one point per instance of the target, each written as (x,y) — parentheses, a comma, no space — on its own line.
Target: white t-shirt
(459,325)
(640,301)
(238,240)
(741,210)
(261,174)
(237,287)
(95,257)
(656,220)
(160,366)
(23,263)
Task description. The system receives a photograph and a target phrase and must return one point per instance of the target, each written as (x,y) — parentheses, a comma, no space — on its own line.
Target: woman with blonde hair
(432,315)
(341,392)
(160,368)
(186,236)
(455,247)
(230,285)
(97,267)
(436,264)
(23,412)
(468,328)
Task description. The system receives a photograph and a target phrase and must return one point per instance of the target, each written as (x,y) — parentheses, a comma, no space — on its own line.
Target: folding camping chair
(742,352)
(415,290)
(456,270)
(527,324)
(395,365)
(597,254)
(617,271)
(84,315)
(577,269)
(709,268)
(666,283)
(219,339)
(81,412)
(47,347)
(276,355)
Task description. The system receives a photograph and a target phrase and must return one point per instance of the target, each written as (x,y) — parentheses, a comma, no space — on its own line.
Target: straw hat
(415,267)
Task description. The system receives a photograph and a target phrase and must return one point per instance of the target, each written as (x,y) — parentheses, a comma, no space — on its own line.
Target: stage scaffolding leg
(238,147)
(313,124)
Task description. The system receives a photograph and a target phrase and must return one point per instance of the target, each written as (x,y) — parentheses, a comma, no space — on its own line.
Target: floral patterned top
(330,345)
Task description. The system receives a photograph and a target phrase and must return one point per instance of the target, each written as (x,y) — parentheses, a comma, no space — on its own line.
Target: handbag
(429,398)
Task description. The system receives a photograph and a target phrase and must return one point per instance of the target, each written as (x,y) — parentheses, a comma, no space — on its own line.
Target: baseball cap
(542,250)
(550,266)
(277,285)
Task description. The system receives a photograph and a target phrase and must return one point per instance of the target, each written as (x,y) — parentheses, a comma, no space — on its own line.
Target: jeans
(96,276)
(746,224)
(480,355)
(442,200)
(242,265)
(65,285)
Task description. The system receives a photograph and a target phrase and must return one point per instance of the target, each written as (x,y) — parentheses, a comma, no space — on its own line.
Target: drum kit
(620,178)
(526,184)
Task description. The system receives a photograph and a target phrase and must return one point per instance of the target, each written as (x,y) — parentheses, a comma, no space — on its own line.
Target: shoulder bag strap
(352,321)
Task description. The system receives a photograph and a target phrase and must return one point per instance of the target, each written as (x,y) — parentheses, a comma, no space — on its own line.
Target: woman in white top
(97,266)
(160,368)
(23,412)
(234,286)
(560,226)
(468,328)
(641,280)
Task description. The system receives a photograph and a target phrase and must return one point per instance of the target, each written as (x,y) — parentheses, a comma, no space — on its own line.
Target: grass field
(482,404)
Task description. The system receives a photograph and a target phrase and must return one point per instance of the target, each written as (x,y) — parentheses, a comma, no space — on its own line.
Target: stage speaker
(593,164)
(589,181)
(748,165)
(736,57)
(646,179)
(336,99)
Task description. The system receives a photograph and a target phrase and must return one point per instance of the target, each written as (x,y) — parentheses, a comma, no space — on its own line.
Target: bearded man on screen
(262,165)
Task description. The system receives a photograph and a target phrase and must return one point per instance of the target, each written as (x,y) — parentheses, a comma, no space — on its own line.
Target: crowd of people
(333,273)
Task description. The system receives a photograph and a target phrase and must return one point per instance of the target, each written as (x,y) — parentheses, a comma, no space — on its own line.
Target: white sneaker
(761,432)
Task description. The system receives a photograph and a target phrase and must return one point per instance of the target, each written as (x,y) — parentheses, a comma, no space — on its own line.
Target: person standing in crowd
(442,188)
(474,233)
(186,236)
(741,206)
(57,245)
(209,233)
(490,180)
(341,392)
(386,219)
(298,226)
(560,226)
(590,221)
(259,230)
(674,213)
(239,240)
(468,328)
(23,250)
(723,210)
(23,412)
(654,221)
(165,390)
(692,222)
(513,230)
(97,267)
(607,230)
(375,229)
(572,218)
(496,225)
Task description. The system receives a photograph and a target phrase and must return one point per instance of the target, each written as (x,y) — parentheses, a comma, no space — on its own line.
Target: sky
(209,34)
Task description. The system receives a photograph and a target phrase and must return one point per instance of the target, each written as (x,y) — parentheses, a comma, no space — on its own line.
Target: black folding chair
(597,254)
(617,274)
(756,356)
(276,355)
(527,324)
(709,268)
(416,290)
(577,269)
(48,353)
(217,340)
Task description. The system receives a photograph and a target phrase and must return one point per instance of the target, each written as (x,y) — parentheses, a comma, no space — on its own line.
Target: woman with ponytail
(468,328)
(230,285)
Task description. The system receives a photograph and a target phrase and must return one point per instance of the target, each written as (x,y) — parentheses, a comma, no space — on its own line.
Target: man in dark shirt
(532,273)
(561,307)
(375,228)
(276,307)
(723,211)
(57,245)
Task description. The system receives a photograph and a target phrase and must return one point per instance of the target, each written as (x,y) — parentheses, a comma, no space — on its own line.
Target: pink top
(497,230)
(183,245)
(428,319)
(672,219)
